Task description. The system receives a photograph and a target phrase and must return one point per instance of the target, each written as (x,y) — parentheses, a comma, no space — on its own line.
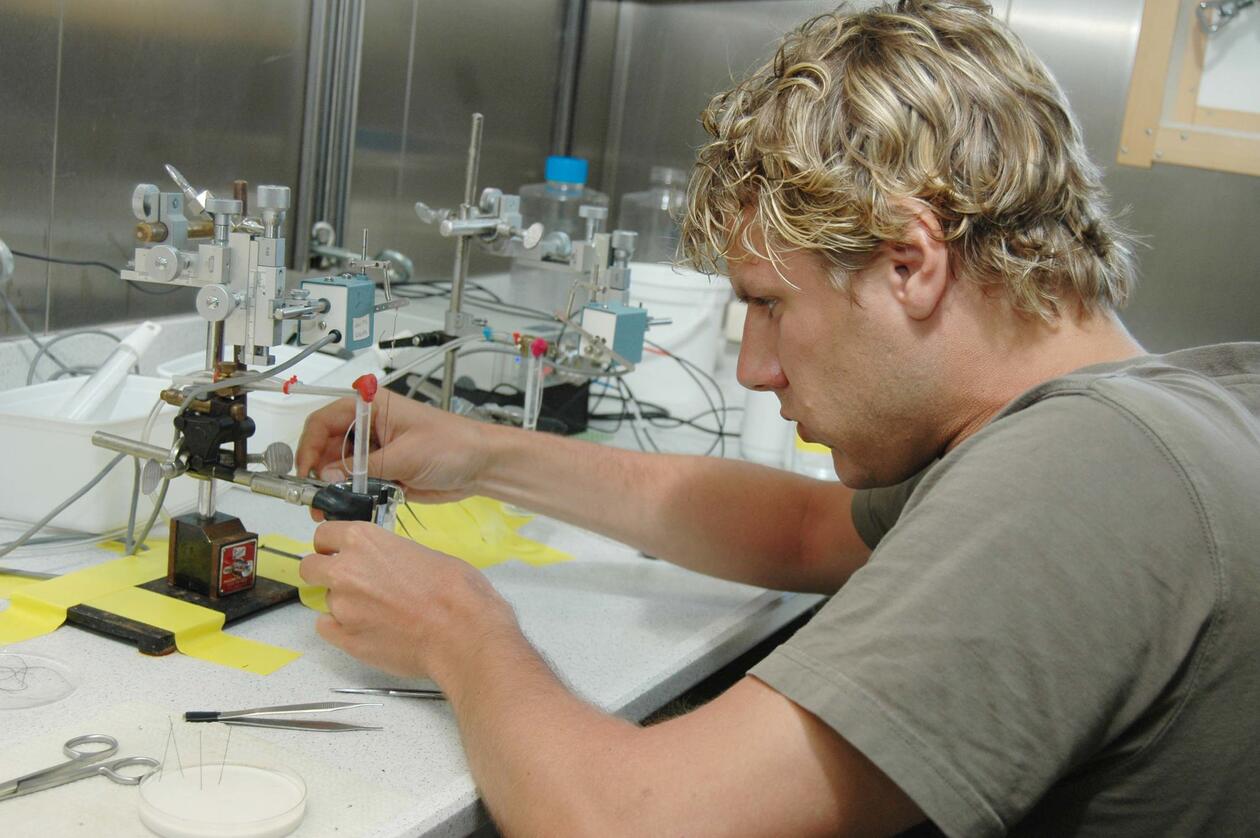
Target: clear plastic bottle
(655,214)
(556,204)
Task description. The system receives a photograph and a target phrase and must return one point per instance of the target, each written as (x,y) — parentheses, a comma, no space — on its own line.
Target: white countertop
(625,632)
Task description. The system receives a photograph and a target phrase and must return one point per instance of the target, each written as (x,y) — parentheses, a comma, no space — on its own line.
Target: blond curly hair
(828,145)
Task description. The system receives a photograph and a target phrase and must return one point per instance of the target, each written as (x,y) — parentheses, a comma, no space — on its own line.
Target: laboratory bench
(628,633)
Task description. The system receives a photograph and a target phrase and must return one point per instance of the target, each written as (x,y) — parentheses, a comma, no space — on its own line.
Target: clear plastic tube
(533,391)
(362,436)
(533,383)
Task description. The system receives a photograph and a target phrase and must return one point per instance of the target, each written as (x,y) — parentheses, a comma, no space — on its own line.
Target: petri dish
(33,681)
(222,800)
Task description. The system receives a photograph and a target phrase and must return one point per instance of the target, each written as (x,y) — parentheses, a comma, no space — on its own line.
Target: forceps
(83,762)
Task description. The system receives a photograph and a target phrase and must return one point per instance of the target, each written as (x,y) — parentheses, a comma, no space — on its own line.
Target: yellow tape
(478,530)
(10,583)
(285,569)
(40,608)
(150,547)
(197,630)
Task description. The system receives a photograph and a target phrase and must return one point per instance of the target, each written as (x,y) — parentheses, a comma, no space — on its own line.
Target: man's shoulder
(1222,376)
(1194,406)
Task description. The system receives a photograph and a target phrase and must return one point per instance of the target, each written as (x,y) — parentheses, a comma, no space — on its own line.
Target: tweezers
(395,691)
(260,716)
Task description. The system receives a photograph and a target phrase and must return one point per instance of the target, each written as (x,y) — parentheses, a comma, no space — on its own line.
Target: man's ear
(919,266)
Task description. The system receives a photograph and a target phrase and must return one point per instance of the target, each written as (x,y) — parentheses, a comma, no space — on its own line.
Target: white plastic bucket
(694,302)
(47,457)
(764,434)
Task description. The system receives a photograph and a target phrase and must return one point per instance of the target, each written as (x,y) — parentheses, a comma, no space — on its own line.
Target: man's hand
(436,456)
(396,605)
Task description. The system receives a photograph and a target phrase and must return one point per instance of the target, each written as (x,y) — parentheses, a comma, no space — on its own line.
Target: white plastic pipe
(96,396)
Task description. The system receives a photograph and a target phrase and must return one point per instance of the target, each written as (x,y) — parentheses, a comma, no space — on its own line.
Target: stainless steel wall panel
(28,96)
(1199,276)
(495,58)
(595,98)
(680,55)
(214,89)
(376,200)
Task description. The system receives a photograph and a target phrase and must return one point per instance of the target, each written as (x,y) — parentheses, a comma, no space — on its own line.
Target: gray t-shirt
(1058,632)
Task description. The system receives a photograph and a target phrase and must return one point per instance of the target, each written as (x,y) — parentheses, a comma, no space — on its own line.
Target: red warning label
(237,563)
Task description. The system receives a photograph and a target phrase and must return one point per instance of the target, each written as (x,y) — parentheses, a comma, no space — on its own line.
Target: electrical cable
(687,367)
(424,357)
(44,349)
(157,509)
(17,317)
(92,263)
(203,390)
(718,409)
(135,501)
(42,522)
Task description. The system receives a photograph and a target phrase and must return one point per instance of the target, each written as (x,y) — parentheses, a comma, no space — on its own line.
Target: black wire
(495,304)
(92,263)
(633,428)
(655,414)
(687,367)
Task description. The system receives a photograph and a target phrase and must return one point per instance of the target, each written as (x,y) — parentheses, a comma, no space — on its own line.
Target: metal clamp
(1215,15)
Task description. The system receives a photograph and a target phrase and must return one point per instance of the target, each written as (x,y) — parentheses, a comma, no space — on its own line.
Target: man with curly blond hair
(1043,558)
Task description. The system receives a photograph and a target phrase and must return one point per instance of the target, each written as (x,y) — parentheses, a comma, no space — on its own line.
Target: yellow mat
(478,530)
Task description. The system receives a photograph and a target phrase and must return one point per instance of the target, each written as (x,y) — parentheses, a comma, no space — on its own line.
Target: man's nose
(758,367)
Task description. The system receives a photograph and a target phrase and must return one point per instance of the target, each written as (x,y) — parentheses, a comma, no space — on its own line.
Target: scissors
(83,762)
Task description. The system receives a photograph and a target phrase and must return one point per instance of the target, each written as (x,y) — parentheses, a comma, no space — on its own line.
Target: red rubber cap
(366,385)
(538,347)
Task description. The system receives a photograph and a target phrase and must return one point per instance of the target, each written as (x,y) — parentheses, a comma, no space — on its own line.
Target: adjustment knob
(272,197)
(532,235)
(165,263)
(223,206)
(215,303)
(278,458)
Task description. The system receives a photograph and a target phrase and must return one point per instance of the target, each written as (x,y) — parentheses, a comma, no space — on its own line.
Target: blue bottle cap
(566,170)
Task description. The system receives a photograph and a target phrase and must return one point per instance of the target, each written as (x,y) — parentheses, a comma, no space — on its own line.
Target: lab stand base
(152,640)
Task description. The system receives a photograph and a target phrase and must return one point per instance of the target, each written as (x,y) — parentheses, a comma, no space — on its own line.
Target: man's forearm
(540,756)
(721,517)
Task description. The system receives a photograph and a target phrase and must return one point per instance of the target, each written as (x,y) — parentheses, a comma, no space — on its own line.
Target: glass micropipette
(366,387)
(533,384)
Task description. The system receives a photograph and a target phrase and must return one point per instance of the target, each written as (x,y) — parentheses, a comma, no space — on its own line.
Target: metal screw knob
(531,235)
(624,240)
(429,215)
(215,303)
(223,206)
(165,263)
(272,197)
(277,458)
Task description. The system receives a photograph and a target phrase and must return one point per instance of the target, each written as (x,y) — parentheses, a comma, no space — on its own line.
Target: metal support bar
(462,251)
(214,354)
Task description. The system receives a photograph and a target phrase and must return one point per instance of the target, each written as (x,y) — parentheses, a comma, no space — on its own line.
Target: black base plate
(152,640)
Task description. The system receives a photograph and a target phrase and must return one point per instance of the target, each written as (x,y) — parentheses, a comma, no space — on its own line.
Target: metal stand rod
(214,354)
(462,252)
